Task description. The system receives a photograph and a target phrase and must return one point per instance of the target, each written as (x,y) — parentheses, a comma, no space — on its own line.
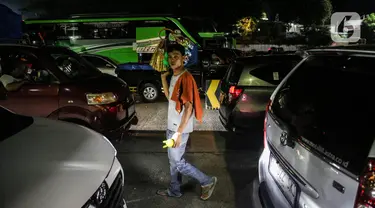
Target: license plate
(286,184)
(131,110)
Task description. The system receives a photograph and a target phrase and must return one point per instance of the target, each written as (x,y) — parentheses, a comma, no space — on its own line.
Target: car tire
(149,93)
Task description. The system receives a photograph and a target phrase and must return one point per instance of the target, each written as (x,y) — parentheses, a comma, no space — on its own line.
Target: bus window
(46,31)
(67,31)
(151,23)
(198,25)
(109,30)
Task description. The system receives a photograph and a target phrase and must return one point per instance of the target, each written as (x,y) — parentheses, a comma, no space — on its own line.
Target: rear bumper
(239,122)
(118,130)
(224,121)
(259,195)
(269,194)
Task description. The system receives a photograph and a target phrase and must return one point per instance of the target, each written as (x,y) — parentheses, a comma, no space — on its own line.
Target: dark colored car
(143,78)
(215,62)
(319,148)
(147,80)
(103,63)
(247,86)
(61,85)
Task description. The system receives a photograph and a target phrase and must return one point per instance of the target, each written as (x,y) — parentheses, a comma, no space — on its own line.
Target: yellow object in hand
(168,143)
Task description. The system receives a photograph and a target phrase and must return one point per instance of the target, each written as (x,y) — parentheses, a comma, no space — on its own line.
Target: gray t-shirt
(174,118)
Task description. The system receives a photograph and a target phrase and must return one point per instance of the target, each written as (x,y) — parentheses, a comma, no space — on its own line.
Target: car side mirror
(206,63)
(3,96)
(3,92)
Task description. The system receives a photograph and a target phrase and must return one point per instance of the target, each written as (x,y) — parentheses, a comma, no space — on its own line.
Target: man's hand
(177,138)
(164,75)
(165,84)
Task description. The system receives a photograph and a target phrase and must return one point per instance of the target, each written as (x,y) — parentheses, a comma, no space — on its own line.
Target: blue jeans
(178,166)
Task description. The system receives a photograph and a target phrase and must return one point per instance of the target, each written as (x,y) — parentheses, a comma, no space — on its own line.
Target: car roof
(9,45)
(350,49)
(23,47)
(250,60)
(93,55)
(32,47)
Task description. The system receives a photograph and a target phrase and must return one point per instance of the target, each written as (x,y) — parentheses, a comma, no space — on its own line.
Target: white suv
(46,163)
(319,149)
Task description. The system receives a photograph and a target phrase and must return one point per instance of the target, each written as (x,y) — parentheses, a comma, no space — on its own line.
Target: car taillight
(112,109)
(265,124)
(366,188)
(234,93)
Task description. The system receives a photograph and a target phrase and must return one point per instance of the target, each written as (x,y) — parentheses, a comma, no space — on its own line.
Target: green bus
(122,38)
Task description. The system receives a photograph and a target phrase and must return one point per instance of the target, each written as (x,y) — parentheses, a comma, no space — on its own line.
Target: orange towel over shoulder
(186,90)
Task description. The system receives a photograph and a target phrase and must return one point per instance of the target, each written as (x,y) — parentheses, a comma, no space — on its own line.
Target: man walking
(184,101)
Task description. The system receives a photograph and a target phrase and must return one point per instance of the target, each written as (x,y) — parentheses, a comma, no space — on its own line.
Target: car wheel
(149,92)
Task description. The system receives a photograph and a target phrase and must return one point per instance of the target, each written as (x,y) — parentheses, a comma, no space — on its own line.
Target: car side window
(234,73)
(97,62)
(327,102)
(24,66)
(273,73)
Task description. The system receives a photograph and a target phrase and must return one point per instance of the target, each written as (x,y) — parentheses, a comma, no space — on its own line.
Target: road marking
(211,94)
(141,199)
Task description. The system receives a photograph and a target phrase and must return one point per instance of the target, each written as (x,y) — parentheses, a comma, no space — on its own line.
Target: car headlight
(101,98)
(98,197)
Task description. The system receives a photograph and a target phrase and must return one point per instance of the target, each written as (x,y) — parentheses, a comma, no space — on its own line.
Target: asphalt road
(232,158)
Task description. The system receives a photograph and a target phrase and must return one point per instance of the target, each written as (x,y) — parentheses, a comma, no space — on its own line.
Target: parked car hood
(104,82)
(53,164)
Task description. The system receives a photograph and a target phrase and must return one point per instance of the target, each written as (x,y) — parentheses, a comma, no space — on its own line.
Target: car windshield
(196,26)
(113,61)
(12,124)
(73,65)
(327,103)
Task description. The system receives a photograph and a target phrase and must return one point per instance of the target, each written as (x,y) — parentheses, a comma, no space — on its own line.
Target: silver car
(46,163)
(319,149)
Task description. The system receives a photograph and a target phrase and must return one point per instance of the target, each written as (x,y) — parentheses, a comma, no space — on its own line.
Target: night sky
(220,10)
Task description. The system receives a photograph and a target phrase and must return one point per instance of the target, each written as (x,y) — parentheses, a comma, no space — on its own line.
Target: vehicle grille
(115,194)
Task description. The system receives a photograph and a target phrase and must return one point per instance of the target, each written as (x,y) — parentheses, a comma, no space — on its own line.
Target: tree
(370,20)
(368,28)
(264,16)
(314,12)
(307,12)
(247,26)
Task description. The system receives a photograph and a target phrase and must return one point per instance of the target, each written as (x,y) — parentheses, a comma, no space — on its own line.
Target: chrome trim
(305,186)
(326,160)
(341,50)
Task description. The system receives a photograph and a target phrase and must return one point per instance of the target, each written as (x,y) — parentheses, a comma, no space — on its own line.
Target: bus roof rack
(124,14)
(101,15)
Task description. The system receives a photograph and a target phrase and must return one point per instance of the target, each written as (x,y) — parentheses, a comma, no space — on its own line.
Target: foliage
(264,16)
(246,25)
(368,33)
(307,13)
(370,20)
(318,37)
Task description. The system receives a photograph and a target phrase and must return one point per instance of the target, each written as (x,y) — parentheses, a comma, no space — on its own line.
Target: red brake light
(265,124)
(234,92)
(232,89)
(112,109)
(366,188)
